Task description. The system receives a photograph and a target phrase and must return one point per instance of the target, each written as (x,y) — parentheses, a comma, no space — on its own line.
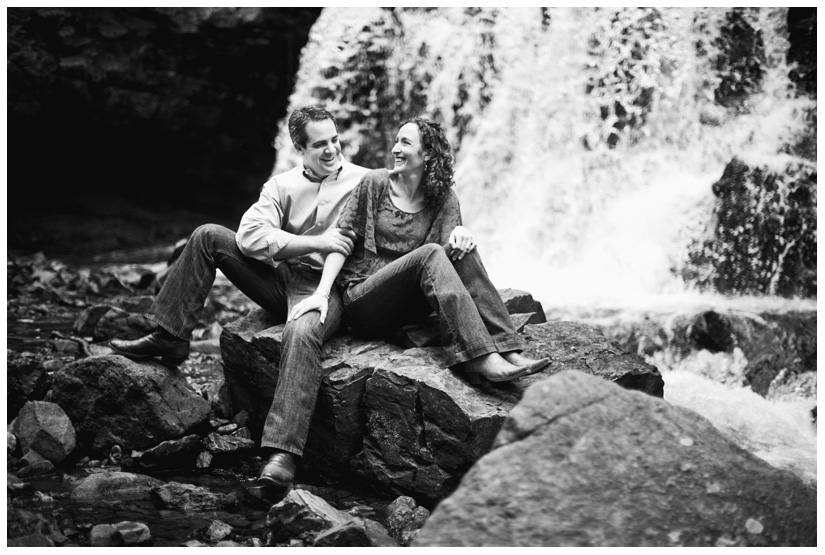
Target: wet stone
(37,469)
(204,460)
(188,497)
(133,533)
(218,531)
(221,444)
(227,429)
(103,535)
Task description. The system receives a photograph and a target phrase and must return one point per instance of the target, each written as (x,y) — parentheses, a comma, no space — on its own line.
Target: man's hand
(462,242)
(337,240)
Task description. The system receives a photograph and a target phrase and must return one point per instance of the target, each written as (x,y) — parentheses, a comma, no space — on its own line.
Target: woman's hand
(462,242)
(316,301)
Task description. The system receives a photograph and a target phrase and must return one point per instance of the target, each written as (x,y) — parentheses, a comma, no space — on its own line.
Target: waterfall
(587,140)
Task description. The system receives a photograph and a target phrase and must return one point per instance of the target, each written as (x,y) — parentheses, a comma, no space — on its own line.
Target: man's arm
(260,234)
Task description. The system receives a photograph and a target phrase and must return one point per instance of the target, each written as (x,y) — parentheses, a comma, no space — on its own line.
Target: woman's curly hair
(438,170)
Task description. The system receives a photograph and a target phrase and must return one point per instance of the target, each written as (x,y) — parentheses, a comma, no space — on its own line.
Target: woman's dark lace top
(386,233)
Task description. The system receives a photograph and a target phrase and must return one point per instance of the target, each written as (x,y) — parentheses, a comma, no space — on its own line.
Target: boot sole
(168,360)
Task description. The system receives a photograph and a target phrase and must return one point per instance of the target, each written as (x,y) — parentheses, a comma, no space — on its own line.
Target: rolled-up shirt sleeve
(259,234)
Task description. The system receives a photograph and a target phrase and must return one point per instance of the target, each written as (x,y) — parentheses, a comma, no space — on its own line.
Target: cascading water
(588,142)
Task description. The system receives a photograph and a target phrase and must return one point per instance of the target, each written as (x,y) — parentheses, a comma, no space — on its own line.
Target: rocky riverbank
(106,451)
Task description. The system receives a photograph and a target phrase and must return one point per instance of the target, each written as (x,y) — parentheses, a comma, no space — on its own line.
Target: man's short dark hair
(299,119)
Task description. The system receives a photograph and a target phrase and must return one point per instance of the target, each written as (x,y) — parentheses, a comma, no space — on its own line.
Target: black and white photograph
(408,277)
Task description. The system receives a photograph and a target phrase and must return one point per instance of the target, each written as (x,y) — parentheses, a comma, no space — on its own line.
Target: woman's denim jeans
(472,316)
(275,289)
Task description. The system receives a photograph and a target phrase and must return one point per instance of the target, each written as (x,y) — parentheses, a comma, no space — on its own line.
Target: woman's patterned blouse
(386,233)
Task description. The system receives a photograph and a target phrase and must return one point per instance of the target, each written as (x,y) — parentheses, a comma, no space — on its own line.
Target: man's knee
(210,231)
(212,237)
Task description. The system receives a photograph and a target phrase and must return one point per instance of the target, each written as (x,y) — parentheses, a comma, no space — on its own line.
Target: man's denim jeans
(472,316)
(275,289)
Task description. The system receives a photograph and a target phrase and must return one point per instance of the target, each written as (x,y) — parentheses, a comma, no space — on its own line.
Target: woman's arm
(320,299)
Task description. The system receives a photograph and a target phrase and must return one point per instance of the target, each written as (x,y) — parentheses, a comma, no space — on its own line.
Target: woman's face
(408,152)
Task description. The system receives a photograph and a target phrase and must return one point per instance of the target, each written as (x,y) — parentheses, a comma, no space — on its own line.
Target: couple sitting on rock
(328,240)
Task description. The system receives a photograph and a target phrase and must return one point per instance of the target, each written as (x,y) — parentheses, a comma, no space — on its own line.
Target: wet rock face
(762,239)
(112,400)
(802,52)
(741,62)
(187,99)
(578,450)
(398,417)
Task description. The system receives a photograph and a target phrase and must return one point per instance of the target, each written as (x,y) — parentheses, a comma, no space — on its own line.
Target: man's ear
(299,148)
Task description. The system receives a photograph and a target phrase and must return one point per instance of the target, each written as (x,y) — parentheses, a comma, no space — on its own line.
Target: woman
(399,272)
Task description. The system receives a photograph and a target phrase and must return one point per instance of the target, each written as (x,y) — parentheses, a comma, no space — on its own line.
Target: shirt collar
(310,175)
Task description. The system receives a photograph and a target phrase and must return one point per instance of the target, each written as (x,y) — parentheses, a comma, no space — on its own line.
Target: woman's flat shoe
(501,371)
(533,365)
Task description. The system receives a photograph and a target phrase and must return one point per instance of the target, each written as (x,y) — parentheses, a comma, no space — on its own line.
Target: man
(275,258)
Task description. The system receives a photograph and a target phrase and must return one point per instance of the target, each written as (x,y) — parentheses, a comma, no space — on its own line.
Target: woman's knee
(306,329)
(433,253)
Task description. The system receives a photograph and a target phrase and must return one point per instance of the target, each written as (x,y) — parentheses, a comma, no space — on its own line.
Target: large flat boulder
(399,417)
(112,400)
(582,462)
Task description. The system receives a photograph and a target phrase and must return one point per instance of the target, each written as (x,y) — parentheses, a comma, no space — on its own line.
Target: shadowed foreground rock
(44,428)
(398,416)
(582,462)
(112,400)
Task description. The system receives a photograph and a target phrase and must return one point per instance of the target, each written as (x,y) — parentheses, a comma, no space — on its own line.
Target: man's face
(322,153)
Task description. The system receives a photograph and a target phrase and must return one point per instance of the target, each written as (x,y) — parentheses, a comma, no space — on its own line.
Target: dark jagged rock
(218,530)
(112,400)
(522,302)
(404,518)
(45,428)
(188,497)
(105,322)
(762,238)
(358,532)
(221,445)
(399,417)
(777,343)
(113,485)
(173,453)
(26,380)
(778,347)
(302,515)
(581,462)
(574,346)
